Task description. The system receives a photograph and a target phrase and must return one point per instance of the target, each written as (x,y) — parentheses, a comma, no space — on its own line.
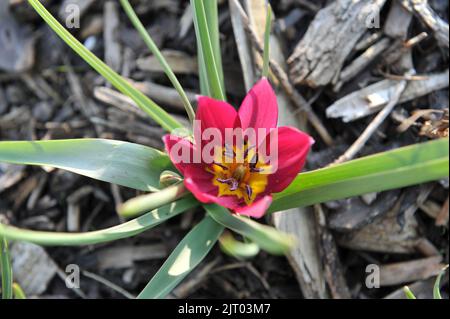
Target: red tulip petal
(183,146)
(259,108)
(257,209)
(216,114)
(293,148)
(199,182)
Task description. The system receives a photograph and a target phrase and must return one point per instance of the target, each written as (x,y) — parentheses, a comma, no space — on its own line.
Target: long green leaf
(408,293)
(437,284)
(125,230)
(6,270)
(212,17)
(186,256)
(402,167)
(146,104)
(268,238)
(207,55)
(144,203)
(237,249)
(154,49)
(117,162)
(18,292)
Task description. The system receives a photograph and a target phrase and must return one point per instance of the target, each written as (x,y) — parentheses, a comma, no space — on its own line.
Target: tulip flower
(238,175)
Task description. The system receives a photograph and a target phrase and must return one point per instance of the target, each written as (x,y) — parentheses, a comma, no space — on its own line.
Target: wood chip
(113,49)
(410,271)
(33,269)
(320,55)
(180,63)
(125,256)
(372,98)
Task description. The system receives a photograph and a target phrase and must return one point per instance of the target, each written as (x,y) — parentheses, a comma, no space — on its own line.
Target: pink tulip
(243,185)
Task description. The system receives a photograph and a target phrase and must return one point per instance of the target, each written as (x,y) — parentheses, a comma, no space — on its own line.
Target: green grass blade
(125,230)
(146,104)
(237,249)
(408,293)
(157,53)
(117,162)
(18,292)
(206,54)
(144,203)
(266,55)
(186,256)
(266,237)
(6,270)
(212,16)
(402,167)
(437,284)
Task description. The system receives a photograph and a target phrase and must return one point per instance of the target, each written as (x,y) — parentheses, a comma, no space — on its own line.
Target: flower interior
(239,171)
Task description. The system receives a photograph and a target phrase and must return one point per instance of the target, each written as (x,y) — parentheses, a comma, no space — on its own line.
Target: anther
(249,191)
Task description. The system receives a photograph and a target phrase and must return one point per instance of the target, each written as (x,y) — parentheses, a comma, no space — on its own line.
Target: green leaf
(212,17)
(154,49)
(266,55)
(144,203)
(237,249)
(408,293)
(207,54)
(117,162)
(401,167)
(266,237)
(186,256)
(146,104)
(18,292)
(437,284)
(6,270)
(125,230)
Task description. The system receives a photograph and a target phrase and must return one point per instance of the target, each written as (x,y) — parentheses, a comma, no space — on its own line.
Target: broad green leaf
(401,167)
(186,256)
(408,293)
(266,237)
(207,58)
(120,83)
(237,249)
(6,270)
(154,49)
(437,284)
(117,162)
(144,203)
(18,292)
(128,229)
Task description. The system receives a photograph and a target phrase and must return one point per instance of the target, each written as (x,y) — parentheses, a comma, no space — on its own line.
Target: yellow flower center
(239,172)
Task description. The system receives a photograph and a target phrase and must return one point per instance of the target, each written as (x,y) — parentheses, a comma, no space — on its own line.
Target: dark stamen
(256,169)
(220,165)
(247,150)
(234,185)
(254,160)
(225,181)
(249,191)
